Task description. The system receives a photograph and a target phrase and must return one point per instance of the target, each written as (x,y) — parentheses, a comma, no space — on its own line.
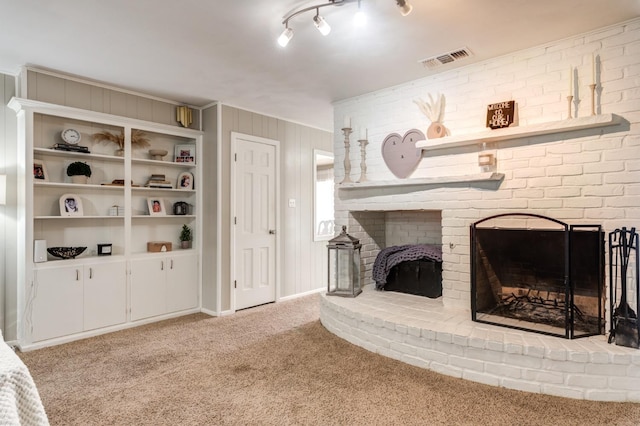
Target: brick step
(422,332)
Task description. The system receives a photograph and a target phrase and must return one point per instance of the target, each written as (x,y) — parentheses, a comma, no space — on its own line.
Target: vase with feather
(434,111)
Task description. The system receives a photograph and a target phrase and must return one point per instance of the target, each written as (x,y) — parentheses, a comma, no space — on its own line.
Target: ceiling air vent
(445,58)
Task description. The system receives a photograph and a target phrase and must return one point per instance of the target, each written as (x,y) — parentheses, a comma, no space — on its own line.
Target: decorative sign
(400,153)
(501,114)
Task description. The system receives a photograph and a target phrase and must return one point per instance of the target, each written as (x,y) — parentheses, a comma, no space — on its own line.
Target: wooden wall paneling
(49,89)
(9,253)
(77,95)
(118,103)
(131,105)
(145,109)
(209,233)
(229,123)
(163,113)
(97,99)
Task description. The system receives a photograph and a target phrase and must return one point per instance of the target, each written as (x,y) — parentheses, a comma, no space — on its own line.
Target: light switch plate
(292,202)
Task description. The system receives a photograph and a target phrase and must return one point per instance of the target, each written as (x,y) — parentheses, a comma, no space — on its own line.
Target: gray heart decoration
(400,153)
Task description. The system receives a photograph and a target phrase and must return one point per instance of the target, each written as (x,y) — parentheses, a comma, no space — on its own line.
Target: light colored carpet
(273,365)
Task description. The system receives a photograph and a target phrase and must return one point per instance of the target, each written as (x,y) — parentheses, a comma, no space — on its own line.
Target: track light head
(405,7)
(321,25)
(285,37)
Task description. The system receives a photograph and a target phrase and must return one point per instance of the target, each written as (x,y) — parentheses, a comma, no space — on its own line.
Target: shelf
(159,216)
(71,154)
(91,186)
(76,217)
(147,189)
(569,125)
(80,260)
(163,163)
(481,177)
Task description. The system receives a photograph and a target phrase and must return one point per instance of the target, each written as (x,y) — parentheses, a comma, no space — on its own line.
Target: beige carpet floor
(273,365)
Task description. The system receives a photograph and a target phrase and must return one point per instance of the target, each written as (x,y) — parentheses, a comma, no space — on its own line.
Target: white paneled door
(254,220)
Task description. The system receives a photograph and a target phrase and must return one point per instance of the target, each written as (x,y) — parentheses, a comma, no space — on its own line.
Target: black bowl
(66,252)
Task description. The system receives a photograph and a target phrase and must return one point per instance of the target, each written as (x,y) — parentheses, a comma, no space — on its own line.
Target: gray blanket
(391,256)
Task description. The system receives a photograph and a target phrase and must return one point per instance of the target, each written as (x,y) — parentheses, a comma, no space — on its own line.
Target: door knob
(272,231)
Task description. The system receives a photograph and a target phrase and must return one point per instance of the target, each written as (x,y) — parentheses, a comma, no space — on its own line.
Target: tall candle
(593,68)
(363,133)
(570,80)
(347,122)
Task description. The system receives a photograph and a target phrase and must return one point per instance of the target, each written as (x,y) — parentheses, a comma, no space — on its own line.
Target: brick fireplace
(583,170)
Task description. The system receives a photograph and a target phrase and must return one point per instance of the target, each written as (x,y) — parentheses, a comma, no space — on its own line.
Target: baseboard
(209,312)
(298,295)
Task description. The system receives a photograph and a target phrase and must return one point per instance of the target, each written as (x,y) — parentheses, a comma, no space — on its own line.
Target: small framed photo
(185,153)
(70,205)
(104,249)
(40,171)
(156,207)
(185,181)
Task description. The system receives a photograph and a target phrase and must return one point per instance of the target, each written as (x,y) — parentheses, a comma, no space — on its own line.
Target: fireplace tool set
(623,246)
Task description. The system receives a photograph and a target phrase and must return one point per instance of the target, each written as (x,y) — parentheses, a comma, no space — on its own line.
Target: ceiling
(198,52)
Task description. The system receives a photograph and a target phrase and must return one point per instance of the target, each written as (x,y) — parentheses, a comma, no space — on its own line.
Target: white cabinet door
(57,302)
(182,283)
(105,294)
(148,287)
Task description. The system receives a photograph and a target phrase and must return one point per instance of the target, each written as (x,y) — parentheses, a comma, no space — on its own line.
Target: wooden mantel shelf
(480,177)
(569,125)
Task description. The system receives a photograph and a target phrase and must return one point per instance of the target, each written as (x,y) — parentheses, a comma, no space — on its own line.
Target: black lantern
(344,265)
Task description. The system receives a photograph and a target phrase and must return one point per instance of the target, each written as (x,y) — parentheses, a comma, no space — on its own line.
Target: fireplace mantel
(568,125)
(440,180)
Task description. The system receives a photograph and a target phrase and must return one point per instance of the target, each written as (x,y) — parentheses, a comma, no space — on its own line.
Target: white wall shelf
(569,125)
(480,177)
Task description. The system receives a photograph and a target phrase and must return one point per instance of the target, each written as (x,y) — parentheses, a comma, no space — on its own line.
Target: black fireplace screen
(545,279)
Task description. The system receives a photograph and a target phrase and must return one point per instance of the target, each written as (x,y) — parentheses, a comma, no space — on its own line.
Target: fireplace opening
(412,268)
(538,274)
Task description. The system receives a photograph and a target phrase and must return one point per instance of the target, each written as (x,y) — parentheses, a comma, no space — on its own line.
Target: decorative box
(158,246)
(116,211)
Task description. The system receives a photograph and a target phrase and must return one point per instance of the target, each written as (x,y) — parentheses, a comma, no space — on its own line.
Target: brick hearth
(424,333)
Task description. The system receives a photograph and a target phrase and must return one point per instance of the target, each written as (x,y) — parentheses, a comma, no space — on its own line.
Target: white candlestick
(347,122)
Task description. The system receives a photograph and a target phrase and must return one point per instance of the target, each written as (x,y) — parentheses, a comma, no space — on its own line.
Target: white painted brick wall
(578,177)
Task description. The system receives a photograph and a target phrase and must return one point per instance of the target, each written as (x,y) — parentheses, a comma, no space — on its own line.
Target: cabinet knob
(272,231)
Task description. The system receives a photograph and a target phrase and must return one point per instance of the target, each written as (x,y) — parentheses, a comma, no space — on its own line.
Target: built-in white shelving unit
(63,300)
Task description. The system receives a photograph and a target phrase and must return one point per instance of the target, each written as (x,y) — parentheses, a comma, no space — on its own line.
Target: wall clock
(70,136)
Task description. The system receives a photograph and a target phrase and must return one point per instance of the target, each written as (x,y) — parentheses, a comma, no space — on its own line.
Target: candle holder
(593,98)
(569,100)
(363,159)
(347,162)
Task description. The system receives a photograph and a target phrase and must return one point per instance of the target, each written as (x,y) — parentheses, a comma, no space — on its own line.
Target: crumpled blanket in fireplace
(391,256)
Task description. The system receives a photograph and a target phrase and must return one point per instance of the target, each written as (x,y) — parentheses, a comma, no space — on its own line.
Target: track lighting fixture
(405,7)
(284,38)
(322,25)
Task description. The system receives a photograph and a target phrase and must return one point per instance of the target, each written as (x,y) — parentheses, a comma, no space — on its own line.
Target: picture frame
(185,153)
(156,207)
(105,249)
(185,181)
(40,173)
(71,205)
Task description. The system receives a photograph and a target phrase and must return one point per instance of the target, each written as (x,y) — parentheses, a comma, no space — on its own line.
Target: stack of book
(158,181)
(72,148)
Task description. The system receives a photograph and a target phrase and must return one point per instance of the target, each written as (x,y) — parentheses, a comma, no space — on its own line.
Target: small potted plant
(79,172)
(185,237)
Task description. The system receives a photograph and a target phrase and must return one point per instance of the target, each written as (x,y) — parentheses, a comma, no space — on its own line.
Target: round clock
(70,136)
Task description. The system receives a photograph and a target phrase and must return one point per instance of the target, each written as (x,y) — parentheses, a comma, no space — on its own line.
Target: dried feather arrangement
(434,110)
(138,138)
